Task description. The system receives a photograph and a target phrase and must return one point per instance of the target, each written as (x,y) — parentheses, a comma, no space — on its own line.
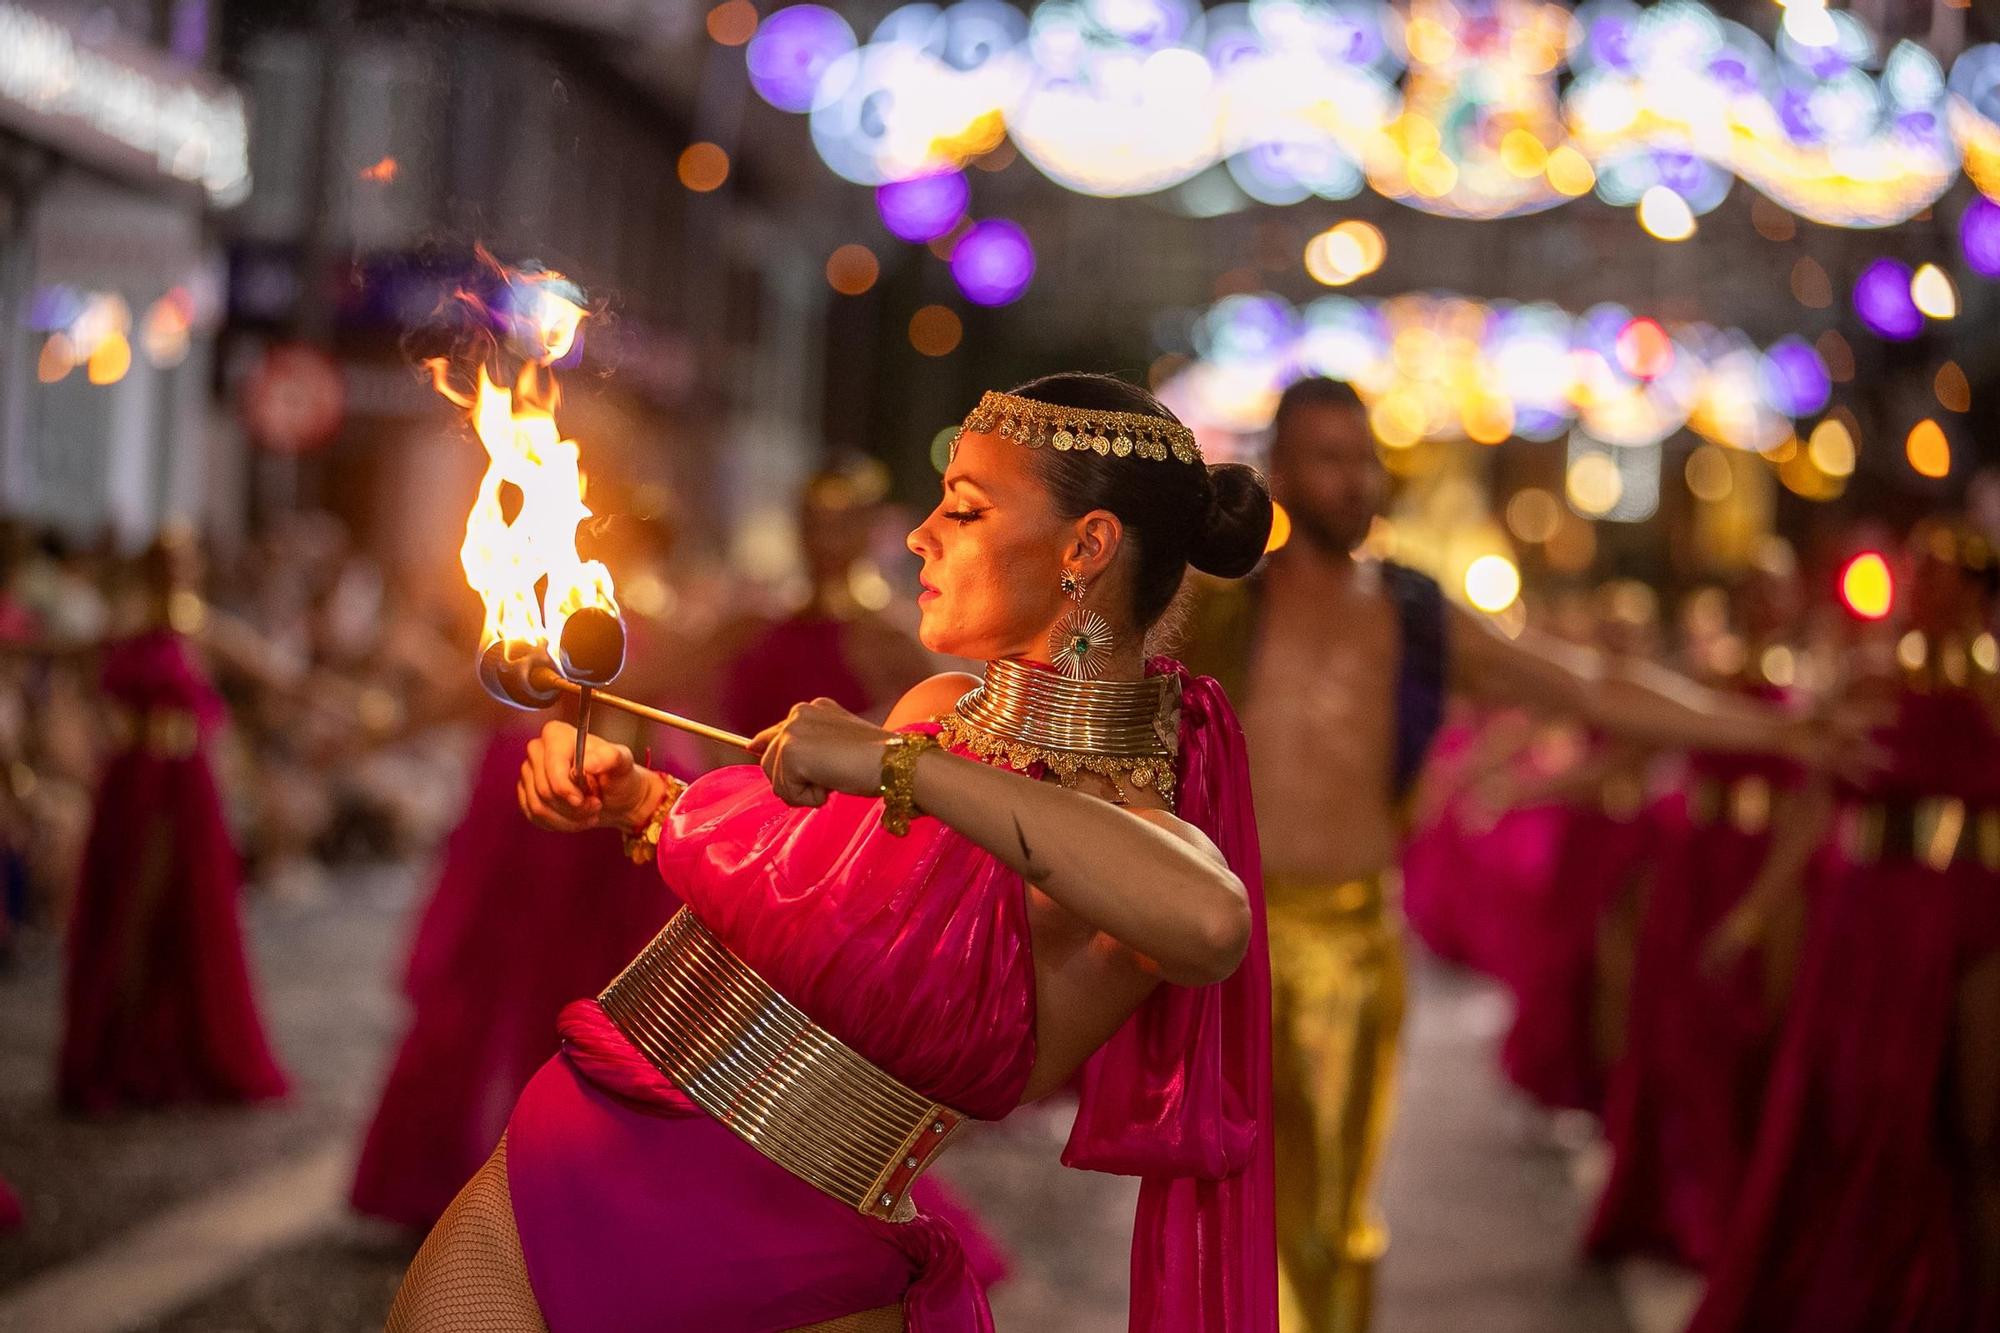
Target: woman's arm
(1148,880)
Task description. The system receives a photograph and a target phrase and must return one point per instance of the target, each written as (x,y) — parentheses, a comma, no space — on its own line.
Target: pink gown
(1551,1051)
(1682,1106)
(638,1211)
(521,922)
(159,1006)
(1850,1216)
(1437,856)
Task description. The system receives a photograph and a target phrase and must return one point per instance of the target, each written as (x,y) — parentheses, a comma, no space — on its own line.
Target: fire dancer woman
(1872,1199)
(158,1001)
(728,1138)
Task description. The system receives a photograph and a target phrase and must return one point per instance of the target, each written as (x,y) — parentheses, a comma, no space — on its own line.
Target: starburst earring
(1081,641)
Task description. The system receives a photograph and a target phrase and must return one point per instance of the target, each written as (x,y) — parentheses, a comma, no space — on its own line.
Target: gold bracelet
(899,778)
(643,847)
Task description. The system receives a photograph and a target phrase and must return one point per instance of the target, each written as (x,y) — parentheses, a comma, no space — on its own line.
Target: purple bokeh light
(790,52)
(1979,236)
(993,262)
(1795,378)
(1882,299)
(923,208)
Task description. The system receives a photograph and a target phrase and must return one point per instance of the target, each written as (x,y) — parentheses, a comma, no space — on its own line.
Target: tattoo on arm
(1031,870)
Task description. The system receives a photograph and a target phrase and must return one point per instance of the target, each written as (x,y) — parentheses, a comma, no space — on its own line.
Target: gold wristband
(643,846)
(899,778)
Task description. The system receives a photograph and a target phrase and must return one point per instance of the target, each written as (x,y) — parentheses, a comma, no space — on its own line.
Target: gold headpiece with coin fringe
(1069,429)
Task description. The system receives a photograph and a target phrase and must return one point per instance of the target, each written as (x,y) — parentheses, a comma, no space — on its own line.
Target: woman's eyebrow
(958,479)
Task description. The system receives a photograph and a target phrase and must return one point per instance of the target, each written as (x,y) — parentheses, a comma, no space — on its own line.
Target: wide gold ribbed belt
(759,1064)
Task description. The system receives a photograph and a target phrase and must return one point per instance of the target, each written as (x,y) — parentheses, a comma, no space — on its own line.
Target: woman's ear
(1099,535)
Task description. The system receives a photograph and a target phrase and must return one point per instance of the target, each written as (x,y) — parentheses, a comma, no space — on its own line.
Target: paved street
(219,1221)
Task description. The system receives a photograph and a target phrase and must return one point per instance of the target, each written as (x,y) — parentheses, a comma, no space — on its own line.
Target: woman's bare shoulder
(928,698)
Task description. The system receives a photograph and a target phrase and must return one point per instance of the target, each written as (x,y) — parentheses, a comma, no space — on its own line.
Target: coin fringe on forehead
(1079,430)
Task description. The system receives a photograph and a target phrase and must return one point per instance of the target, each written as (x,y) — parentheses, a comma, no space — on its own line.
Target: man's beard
(1333,535)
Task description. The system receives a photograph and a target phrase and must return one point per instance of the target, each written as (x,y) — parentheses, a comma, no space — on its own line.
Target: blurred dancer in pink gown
(520,922)
(835,645)
(159,1006)
(1871,1203)
(1684,1099)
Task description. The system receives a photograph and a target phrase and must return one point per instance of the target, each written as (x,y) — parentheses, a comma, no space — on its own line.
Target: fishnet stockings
(468,1277)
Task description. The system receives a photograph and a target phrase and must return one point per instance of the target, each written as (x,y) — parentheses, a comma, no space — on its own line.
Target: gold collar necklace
(1023,713)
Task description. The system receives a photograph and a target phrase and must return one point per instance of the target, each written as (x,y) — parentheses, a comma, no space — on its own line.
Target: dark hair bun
(1237,524)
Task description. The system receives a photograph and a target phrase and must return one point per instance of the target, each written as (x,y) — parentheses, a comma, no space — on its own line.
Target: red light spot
(1645,350)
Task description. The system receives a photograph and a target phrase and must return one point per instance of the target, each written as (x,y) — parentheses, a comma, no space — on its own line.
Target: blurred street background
(1646,302)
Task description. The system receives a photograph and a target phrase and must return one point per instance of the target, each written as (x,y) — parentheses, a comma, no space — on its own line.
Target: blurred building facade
(118,147)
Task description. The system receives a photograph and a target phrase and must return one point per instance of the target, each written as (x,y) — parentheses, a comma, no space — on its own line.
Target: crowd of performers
(1779,988)
(1745,892)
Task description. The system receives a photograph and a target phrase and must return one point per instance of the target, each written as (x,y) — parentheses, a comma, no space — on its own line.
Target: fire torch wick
(582,730)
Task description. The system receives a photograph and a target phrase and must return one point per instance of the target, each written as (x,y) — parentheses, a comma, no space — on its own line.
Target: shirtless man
(1339,668)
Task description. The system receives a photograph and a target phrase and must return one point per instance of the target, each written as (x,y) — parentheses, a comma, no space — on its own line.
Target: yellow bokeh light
(1866,586)
(110,359)
(1492,583)
(1708,474)
(1830,447)
(1932,291)
(1370,246)
(1665,215)
(1928,450)
(1281,529)
(1434,177)
(1487,419)
(1398,419)
(1594,486)
(935,330)
(1570,172)
(1533,515)
(1523,154)
(1429,42)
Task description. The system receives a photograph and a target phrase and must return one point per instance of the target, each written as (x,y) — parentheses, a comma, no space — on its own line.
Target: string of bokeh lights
(1436,368)
(1451,108)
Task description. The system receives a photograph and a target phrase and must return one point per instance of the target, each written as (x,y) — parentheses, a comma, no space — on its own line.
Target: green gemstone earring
(1080,644)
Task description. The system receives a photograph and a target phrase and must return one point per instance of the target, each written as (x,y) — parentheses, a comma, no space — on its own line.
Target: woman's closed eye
(961,515)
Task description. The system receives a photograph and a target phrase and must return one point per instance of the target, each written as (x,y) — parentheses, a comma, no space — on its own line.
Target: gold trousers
(1336,1011)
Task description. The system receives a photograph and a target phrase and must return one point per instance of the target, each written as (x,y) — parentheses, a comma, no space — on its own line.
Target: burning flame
(528,459)
(382,172)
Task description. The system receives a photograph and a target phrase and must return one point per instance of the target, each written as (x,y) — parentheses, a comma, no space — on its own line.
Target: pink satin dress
(158,1002)
(1851,1216)
(636,1210)
(1683,1102)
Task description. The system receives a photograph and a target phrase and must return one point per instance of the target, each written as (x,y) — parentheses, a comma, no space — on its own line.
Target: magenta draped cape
(158,1003)
(636,1210)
